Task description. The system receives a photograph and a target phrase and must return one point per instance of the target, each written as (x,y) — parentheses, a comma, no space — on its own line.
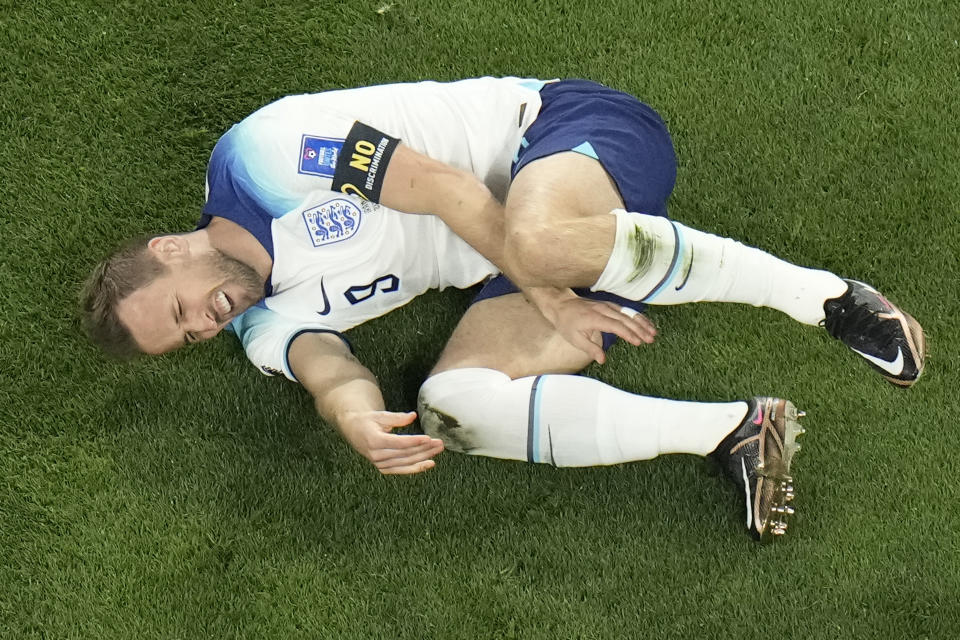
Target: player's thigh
(508,334)
(561,186)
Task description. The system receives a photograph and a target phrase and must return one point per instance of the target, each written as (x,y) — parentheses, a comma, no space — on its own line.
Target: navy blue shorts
(501,285)
(627,137)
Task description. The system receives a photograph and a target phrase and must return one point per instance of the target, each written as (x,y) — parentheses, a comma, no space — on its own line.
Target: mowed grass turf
(190,497)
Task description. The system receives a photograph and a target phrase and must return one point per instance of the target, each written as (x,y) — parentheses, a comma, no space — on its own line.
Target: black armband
(363,162)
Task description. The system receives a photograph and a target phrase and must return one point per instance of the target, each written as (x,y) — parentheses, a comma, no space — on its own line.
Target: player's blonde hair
(121,273)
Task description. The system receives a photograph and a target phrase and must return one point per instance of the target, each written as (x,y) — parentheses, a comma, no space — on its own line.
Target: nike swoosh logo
(326,301)
(893,367)
(689,269)
(746,488)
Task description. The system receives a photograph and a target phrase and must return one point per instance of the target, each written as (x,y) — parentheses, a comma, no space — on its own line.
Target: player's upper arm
(333,376)
(268,163)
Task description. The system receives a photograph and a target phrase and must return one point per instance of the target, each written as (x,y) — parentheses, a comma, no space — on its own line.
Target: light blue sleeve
(266,337)
(267,164)
(246,178)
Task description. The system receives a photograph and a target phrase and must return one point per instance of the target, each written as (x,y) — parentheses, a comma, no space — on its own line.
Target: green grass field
(189,497)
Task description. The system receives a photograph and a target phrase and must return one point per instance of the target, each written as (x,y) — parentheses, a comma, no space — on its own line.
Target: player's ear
(167,248)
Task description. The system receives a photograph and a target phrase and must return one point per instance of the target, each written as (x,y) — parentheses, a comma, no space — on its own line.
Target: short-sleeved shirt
(303,175)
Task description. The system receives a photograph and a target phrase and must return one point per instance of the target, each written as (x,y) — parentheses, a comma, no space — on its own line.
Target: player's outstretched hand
(369,432)
(581,322)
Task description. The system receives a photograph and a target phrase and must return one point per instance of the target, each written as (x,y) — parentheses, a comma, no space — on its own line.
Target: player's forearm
(339,383)
(351,393)
(417,184)
(346,402)
(479,220)
(483,227)
(354,404)
(420,185)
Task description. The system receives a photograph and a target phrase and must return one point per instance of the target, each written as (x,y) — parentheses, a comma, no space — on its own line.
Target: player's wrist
(348,418)
(548,301)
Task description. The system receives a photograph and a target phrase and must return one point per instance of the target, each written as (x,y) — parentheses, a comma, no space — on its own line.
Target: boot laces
(846,321)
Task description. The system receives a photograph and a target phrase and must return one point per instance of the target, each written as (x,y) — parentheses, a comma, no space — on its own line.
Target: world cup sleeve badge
(318,156)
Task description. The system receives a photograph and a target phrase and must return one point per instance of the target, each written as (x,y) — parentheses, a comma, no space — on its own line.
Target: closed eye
(187,337)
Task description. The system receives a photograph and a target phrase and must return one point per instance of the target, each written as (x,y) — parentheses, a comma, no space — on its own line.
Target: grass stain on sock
(447,428)
(644,247)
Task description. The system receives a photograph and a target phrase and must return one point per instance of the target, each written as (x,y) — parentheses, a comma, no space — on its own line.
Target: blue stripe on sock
(674,265)
(533,422)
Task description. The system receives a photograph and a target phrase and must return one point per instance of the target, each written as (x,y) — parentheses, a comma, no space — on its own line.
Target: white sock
(659,261)
(565,420)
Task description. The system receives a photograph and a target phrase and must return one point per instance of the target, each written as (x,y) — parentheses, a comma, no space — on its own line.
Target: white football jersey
(303,175)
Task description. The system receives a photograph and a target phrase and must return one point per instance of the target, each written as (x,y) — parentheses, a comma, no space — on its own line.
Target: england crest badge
(333,221)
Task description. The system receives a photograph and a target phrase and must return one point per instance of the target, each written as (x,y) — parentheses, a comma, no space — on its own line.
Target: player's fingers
(609,319)
(420,467)
(392,420)
(641,321)
(404,442)
(638,323)
(432,447)
(589,347)
(401,461)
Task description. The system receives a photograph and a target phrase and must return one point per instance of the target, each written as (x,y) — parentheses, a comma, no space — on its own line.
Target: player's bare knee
(530,250)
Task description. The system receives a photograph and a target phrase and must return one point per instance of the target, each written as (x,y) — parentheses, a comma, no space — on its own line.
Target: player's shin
(660,261)
(565,420)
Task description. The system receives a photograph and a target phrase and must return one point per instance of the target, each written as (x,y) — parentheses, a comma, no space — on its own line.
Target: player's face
(190,303)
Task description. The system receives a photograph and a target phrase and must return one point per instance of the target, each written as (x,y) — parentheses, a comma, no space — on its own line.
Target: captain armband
(363,161)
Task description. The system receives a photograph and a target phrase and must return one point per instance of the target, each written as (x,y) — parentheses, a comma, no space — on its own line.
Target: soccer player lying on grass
(312,225)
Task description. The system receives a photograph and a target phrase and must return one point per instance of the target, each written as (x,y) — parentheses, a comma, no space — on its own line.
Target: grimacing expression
(190,303)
